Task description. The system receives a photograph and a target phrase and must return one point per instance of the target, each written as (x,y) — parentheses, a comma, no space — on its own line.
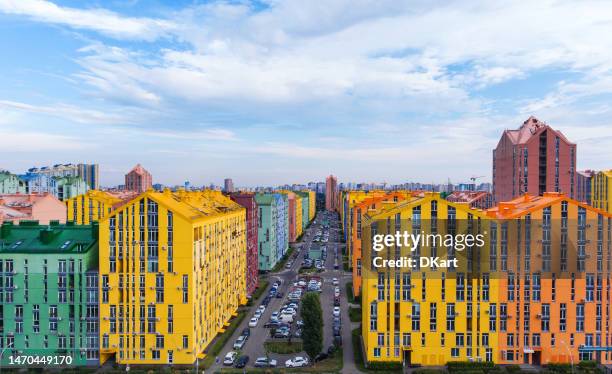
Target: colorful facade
(584,179)
(427,316)
(11,184)
(475,199)
(358,212)
(536,292)
(247,200)
(533,159)
(171,275)
(269,214)
(94,205)
(282,224)
(49,297)
(554,282)
(138,179)
(601,191)
(331,193)
(305,197)
(295,214)
(69,187)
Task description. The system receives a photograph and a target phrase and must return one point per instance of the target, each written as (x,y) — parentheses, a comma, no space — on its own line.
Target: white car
(336,311)
(335,281)
(253,322)
(240,342)
(274,316)
(230,357)
(289,311)
(296,362)
(337,292)
(257,314)
(262,308)
(263,362)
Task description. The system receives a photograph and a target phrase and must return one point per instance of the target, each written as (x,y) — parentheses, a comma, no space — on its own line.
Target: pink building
(41,207)
(138,179)
(247,200)
(533,159)
(331,193)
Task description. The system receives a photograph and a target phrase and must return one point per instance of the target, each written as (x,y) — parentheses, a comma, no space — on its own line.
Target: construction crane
(473,178)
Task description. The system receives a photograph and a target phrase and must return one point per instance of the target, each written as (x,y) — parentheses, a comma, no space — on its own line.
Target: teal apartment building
(49,291)
(267,231)
(11,184)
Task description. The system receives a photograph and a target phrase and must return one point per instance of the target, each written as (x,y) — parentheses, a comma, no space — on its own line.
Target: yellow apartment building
(172,268)
(428,315)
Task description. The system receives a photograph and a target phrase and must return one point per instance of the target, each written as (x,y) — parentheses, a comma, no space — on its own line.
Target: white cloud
(16,141)
(69,112)
(100,20)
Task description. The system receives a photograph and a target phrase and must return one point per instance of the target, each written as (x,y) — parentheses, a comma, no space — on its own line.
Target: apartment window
(450,317)
(159,288)
(416,317)
(185,341)
(579,317)
(406,340)
(432,316)
(562,317)
(373,316)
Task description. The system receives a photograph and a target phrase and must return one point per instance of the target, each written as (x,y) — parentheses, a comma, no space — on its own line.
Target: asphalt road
(254,347)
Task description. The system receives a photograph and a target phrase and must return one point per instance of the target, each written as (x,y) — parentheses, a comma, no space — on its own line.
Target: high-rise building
(69,187)
(601,187)
(295,214)
(172,274)
(89,173)
(331,193)
(247,200)
(228,185)
(49,300)
(43,208)
(272,229)
(138,179)
(533,159)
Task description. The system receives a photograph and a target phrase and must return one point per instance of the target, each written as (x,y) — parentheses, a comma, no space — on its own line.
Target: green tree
(312,333)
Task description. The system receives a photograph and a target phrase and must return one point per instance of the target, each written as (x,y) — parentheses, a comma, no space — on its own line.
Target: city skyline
(175,87)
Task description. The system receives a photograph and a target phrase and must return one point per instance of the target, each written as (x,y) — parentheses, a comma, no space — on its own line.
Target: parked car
(262,308)
(336,301)
(240,342)
(282,333)
(279,295)
(230,357)
(253,322)
(298,333)
(296,362)
(263,362)
(335,281)
(321,356)
(300,323)
(246,332)
(241,362)
(274,316)
(336,311)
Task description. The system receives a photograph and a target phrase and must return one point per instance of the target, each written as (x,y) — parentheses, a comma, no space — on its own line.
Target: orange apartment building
(553,259)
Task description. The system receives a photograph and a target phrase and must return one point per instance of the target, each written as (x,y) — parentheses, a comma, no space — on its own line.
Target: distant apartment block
(228,185)
(331,193)
(601,188)
(533,159)
(10,183)
(90,174)
(584,185)
(247,200)
(138,179)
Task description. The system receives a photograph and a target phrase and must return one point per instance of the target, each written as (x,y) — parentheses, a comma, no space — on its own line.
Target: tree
(312,333)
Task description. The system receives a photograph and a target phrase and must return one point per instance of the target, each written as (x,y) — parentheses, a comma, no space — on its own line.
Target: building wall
(331,191)
(282,231)
(602,191)
(201,259)
(405,322)
(248,202)
(90,207)
(583,186)
(46,298)
(10,183)
(69,187)
(519,164)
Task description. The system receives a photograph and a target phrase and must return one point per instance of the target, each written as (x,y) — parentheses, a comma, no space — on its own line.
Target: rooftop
(30,237)
(529,128)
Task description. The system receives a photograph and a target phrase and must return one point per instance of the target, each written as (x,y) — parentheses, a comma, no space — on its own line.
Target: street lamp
(4,349)
(570,354)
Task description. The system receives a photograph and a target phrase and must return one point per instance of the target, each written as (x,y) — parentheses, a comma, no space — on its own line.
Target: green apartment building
(10,183)
(49,292)
(267,236)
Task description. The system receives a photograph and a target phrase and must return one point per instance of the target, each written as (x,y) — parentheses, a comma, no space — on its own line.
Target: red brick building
(533,159)
(247,200)
(138,179)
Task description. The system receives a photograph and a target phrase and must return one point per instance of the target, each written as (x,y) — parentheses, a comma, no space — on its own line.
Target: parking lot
(291,286)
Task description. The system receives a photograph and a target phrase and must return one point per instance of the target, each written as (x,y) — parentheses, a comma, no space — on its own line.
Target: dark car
(272,325)
(336,330)
(336,301)
(321,356)
(338,340)
(241,362)
(246,332)
(279,295)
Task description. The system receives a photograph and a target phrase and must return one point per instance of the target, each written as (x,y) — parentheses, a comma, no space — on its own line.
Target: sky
(270,92)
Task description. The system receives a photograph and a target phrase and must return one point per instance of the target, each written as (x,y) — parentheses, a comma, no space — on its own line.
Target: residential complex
(49,296)
(138,179)
(475,199)
(533,159)
(584,186)
(247,200)
(536,292)
(90,174)
(172,274)
(95,205)
(271,219)
(11,184)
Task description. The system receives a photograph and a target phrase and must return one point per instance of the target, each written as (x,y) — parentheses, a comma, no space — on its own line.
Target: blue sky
(271,92)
